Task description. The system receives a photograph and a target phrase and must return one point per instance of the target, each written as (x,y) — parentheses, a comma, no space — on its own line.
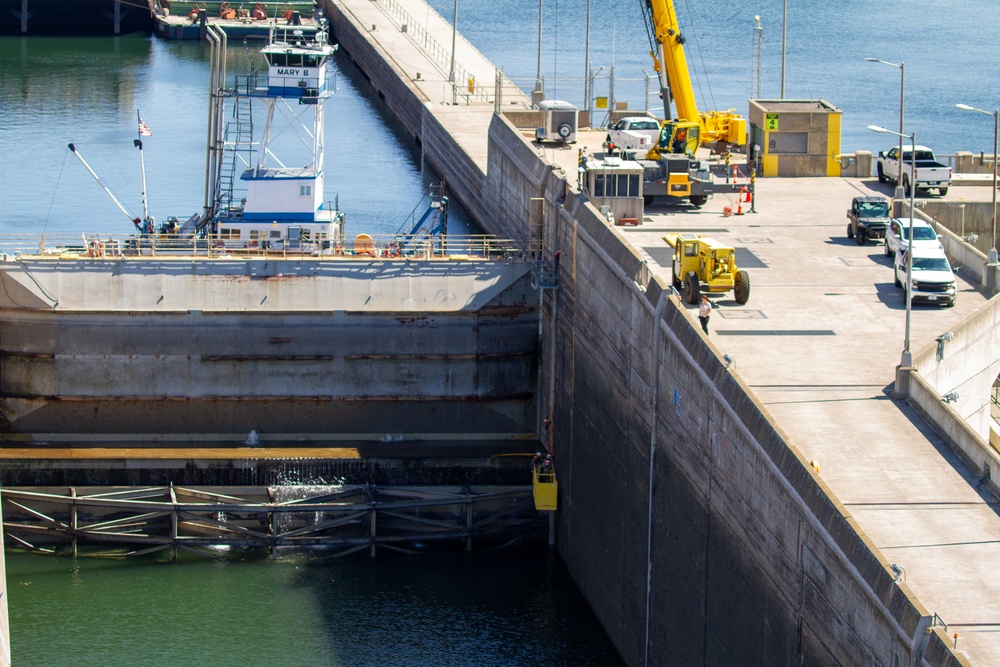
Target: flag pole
(147,222)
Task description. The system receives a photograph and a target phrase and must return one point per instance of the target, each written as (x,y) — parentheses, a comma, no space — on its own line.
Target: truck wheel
(692,288)
(943,192)
(860,237)
(906,186)
(647,200)
(895,278)
(741,289)
(887,249)
(850,231)
(881,174)
(698,200)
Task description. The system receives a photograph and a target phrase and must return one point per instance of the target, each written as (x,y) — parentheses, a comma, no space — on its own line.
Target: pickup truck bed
(927,173)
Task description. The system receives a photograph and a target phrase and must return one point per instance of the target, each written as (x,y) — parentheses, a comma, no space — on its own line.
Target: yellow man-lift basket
(544,488)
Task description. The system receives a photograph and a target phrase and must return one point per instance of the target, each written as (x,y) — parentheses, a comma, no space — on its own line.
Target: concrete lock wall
(952,386)
(752,560)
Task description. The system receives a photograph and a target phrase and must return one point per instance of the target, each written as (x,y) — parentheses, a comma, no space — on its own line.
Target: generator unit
(559,122)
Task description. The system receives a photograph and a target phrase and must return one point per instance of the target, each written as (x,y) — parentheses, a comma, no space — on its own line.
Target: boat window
(305,190)
(229,233)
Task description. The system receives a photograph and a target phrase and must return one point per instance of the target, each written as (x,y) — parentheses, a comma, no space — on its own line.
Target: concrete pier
(750,497)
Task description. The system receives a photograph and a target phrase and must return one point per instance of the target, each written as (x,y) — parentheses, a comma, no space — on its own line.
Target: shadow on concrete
(891,296)
(947,453)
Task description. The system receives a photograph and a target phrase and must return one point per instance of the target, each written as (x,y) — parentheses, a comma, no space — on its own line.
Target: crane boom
(667,42)
(670,60)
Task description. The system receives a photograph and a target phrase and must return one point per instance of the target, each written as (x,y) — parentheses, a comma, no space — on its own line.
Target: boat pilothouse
(261,200)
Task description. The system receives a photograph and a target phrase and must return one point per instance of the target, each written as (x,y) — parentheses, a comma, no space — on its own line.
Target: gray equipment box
(559,121)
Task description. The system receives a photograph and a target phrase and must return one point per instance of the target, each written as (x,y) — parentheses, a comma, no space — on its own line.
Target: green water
(503,608)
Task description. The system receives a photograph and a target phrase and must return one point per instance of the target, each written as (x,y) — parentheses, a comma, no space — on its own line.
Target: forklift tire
(698,200)
(692,288)
(741,290)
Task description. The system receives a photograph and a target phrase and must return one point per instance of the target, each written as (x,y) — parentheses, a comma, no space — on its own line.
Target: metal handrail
(388,246)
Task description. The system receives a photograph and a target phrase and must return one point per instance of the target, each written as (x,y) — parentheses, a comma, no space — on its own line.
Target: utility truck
(930,174)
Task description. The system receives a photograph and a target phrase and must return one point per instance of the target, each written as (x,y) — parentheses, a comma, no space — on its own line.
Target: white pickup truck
(634,133)
(930,175)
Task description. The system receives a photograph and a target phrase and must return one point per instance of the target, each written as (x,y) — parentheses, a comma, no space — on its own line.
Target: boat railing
(362,246)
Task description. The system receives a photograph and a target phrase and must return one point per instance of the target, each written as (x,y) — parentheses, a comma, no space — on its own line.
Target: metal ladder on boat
(237,150)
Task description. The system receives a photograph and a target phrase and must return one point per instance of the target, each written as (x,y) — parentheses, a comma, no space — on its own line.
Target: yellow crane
(689,129)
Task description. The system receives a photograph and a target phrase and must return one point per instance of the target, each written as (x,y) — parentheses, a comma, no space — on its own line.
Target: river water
(505,608)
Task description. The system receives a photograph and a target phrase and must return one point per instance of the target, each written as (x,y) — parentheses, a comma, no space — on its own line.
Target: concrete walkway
(818,343)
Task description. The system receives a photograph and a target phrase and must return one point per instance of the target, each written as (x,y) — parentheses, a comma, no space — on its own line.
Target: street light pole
(586,66)
(906,361)
(899,193)
(454,34)
(991,257)
(538,73)
(784,32)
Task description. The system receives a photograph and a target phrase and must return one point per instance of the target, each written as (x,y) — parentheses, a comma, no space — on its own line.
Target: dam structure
(707,519)
(773,492)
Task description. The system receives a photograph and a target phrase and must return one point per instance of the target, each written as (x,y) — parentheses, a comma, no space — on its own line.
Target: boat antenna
(135,221)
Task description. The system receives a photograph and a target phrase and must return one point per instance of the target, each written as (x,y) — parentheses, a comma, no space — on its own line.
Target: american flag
(144,130)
